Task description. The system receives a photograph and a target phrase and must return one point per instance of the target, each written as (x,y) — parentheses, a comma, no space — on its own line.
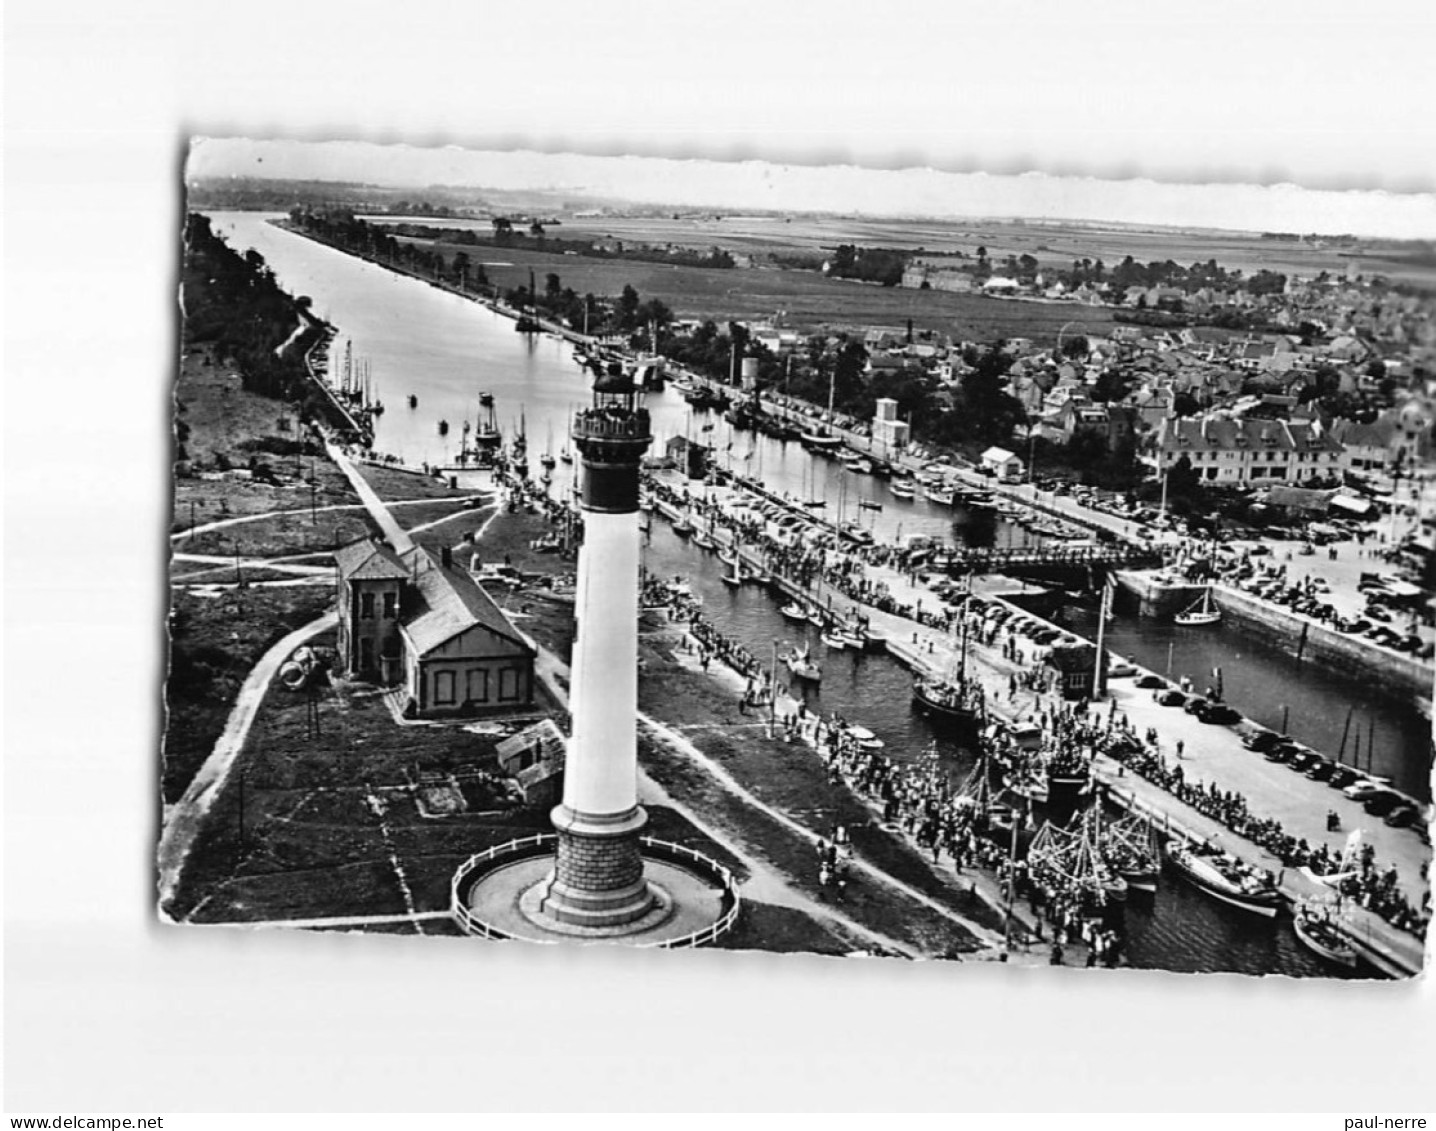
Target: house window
(443,687)
(366,606)
(478,685)
(391,605)
(508,684)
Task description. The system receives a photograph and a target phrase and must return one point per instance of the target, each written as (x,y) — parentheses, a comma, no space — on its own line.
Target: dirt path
(183,820)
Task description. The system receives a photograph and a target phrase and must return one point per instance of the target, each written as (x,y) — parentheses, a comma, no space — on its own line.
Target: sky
(846,188)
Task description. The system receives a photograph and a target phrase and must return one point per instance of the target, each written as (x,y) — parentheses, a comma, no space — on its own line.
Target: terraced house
(1242,453)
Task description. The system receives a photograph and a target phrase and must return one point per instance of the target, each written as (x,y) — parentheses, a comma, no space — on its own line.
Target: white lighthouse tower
(598,878)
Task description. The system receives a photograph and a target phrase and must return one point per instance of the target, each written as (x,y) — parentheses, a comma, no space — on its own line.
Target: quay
(1209,754)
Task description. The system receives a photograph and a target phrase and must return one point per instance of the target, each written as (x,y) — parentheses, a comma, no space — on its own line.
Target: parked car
(1403,816)
(1261,740)
(1302,762)
(1195,705)
(1219,714)
(1150,682)
(1380,804)
(1360,790)
(1341,777)
(1321,769)
(1171,698)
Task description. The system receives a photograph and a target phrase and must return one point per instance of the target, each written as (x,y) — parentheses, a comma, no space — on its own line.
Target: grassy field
(809,301)
(225,423)
(214,643)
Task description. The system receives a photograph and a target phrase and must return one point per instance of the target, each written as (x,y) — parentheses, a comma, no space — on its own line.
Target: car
(1219,714)
(1341,777)
(1380,804)
(1195,705)
(1403,816)
(1362,789)
(1321,769)
(1261,740)
(1150,682)
(1171,698)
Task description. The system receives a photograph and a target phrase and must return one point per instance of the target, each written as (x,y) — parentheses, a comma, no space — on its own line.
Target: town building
(889,433)
(419,622)
(1240,453)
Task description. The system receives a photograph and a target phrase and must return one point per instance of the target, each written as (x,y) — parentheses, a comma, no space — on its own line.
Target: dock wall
(1325,647)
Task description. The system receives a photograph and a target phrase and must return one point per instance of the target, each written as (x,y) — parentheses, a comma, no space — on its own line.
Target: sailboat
(1200,612)
(954,698)
(819,439)
(547,459)
(801,664)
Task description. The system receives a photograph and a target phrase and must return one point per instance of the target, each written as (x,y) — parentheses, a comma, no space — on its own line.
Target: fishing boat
(682,526)
(1318,931)
(858,464)
(794,612)
(941,495)
(954,698)
(1227,879)
(1130,849)
(902,489)
(817,617)
(565,456)
(802,666)
(1200,612)
(443,428)
(1070,860)
(869,505)
(1068,770)
(703,540)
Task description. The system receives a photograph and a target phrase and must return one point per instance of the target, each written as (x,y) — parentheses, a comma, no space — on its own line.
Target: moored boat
(802,666)
(1317,931)
(1200,612)
(1227,879)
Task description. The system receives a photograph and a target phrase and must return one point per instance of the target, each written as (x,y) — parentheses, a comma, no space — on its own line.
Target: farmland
(809,301)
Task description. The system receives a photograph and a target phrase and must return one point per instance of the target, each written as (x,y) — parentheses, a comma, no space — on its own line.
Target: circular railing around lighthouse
(472,870)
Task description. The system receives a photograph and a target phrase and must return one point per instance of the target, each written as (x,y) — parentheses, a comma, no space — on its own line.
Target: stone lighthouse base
(686,898)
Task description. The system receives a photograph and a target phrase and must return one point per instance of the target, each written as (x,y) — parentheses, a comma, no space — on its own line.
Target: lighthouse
(598,876)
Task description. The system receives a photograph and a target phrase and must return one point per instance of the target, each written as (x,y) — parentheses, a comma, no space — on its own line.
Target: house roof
(443,602)
(1001,455)
(543,739)
(1220,433)
(369,559)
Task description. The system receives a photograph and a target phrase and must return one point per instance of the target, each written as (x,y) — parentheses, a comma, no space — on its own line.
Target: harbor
(865,574)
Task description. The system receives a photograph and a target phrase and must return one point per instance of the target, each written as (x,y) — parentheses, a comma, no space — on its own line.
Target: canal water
(1267,684)
(445,350)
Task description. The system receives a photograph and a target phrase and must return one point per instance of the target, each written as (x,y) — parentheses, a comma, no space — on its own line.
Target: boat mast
(1103,609)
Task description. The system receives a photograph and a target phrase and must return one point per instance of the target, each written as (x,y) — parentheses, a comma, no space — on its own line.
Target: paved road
(394,534)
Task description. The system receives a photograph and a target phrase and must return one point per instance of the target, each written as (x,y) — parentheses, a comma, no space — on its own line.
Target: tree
(1076,347)
(1112,385)
(627,308)
(503,229)
(536,230)
(552,285)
